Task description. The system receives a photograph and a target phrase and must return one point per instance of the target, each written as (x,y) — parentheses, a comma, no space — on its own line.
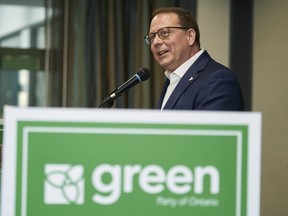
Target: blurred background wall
(270,96)
(72,53)
(269,85)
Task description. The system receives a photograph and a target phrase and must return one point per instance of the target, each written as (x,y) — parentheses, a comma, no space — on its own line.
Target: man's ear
(191,34)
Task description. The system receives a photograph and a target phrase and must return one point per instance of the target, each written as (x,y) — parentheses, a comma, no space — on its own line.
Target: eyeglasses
(162,33)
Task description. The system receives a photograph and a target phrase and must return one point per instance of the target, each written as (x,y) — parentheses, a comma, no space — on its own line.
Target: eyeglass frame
(148,39)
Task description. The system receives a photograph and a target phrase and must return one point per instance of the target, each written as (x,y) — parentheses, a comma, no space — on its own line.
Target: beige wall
(270,86)
(213,20)
(270,96)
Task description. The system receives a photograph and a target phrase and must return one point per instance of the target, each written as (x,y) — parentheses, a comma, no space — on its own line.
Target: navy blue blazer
(207,85)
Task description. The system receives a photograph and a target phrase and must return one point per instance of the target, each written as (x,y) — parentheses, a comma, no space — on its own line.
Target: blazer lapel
(187,79)
(161,98)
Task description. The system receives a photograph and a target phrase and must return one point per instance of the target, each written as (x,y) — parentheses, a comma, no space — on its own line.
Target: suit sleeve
(221,91)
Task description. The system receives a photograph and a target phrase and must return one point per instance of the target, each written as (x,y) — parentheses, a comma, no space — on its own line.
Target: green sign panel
(148,165)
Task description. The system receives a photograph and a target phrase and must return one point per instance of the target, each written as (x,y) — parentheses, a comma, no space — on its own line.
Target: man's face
(173,51)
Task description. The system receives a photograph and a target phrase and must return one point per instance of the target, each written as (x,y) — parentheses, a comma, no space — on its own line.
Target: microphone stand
(109,101)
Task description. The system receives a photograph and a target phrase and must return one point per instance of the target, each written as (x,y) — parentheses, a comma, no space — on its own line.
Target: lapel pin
(191,78)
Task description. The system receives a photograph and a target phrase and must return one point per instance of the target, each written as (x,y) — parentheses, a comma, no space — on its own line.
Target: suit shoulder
(205,61)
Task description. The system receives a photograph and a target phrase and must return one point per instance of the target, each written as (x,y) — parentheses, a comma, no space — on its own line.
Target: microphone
(142,75)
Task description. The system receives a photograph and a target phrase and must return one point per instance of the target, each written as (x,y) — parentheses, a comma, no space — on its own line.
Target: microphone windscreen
(144,74)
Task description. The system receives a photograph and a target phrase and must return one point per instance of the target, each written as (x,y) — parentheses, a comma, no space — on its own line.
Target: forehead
(163,20)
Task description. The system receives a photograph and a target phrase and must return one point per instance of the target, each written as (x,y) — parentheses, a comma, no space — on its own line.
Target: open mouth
(160,53)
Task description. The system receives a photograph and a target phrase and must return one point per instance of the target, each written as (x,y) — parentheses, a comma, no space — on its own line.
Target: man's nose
(157,40)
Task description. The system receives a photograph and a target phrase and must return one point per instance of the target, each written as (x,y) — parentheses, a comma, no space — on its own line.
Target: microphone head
(143,74)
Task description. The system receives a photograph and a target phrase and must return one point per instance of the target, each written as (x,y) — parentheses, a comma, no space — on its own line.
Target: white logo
(64,184)
(152,179)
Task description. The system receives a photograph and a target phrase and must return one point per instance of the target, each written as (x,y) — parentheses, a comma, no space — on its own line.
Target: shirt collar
(181,70)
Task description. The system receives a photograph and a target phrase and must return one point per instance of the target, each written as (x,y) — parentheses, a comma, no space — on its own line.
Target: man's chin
(164,64)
